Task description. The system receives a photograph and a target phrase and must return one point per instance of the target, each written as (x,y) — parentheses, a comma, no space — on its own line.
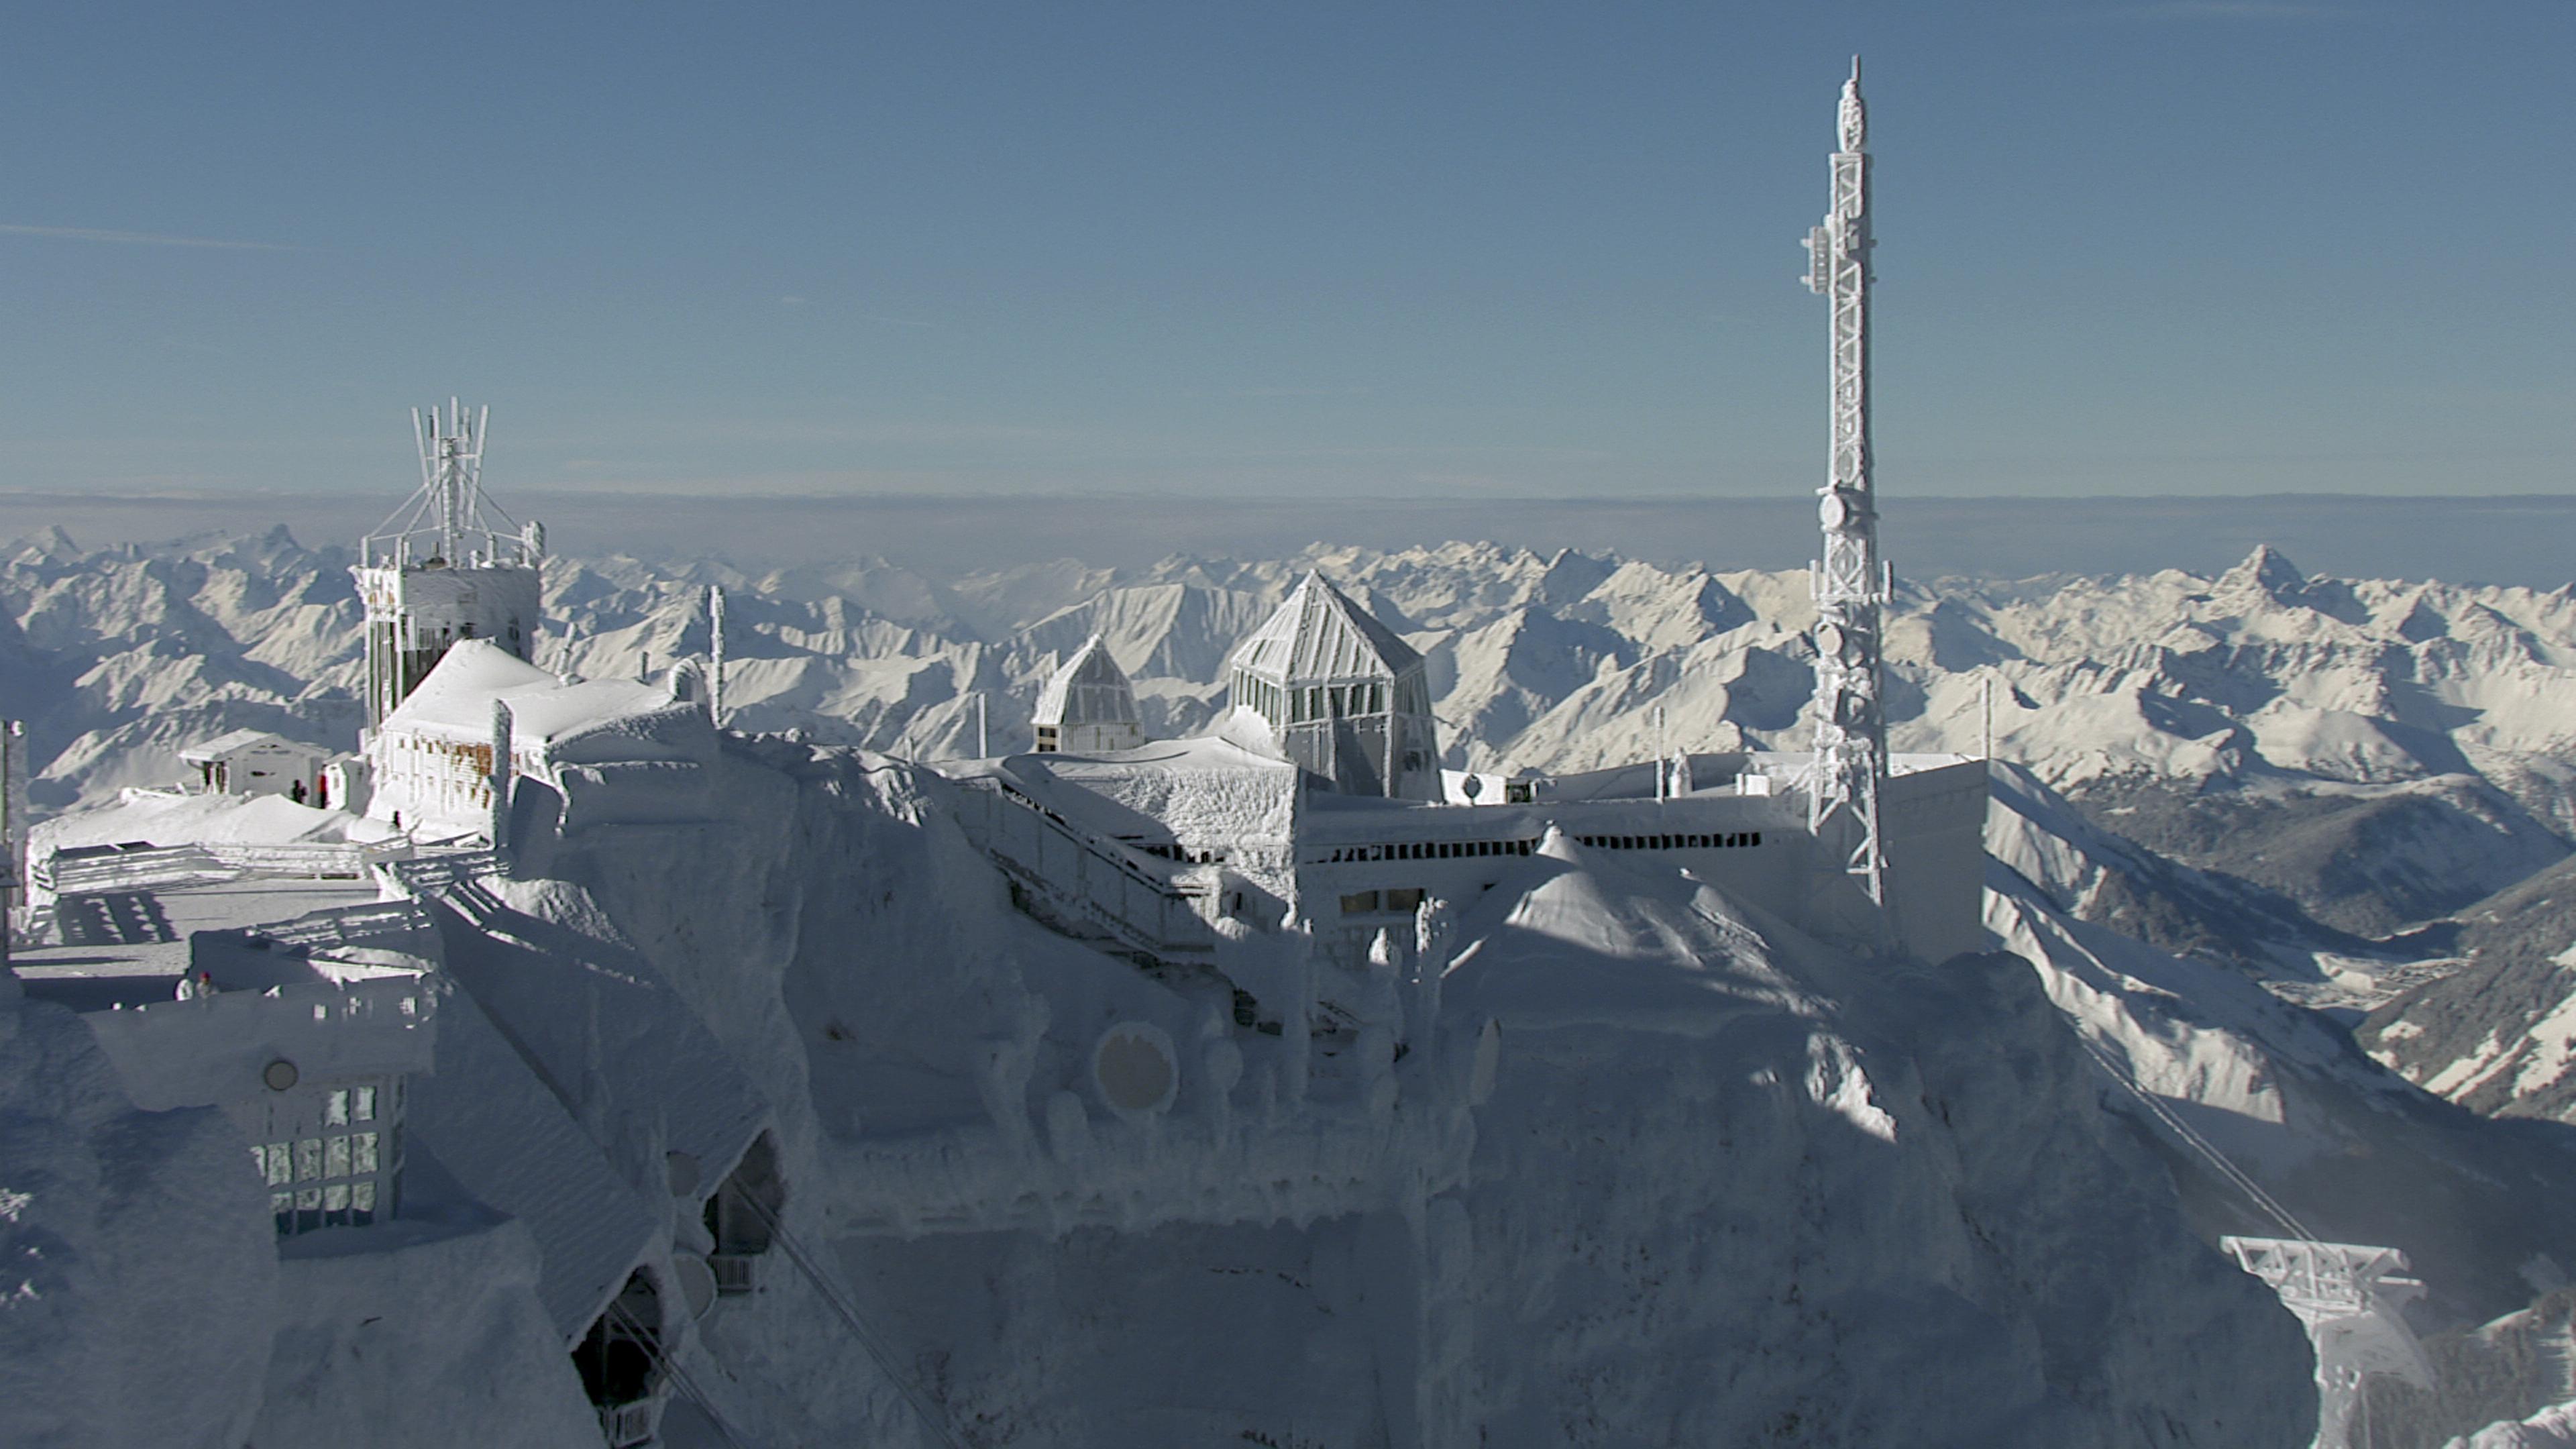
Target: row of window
(310,1159)
(1468,849)
(1405,900)
(1306,702)
(1187,855)
(1734,840)
(1422,850)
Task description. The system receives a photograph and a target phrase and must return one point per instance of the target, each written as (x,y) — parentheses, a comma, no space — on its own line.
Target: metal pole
(715,655)
(10,732)
(983,730)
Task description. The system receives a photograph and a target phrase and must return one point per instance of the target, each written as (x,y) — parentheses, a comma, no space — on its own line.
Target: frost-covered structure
(484,720)
(255,762)
(1339,695)
(2352,1300)
(437,573)
(1088,705)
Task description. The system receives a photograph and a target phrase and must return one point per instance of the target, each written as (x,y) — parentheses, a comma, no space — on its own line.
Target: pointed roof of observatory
(1319,634)
(1089,688)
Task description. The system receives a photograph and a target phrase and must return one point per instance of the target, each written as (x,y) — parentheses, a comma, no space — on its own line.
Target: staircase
(1083,884)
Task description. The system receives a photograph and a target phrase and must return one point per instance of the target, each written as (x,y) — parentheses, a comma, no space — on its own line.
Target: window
(1359,903)
(335,1107)
(1404,900)
(366,1108)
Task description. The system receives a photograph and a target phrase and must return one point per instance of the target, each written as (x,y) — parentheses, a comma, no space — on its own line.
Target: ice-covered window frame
(331,1152)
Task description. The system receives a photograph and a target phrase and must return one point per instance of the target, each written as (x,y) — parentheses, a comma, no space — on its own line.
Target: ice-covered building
(1088,705)
(255,762)
(307,1031)
(1339,695)
(483,719)
(437,573)
(1280,815)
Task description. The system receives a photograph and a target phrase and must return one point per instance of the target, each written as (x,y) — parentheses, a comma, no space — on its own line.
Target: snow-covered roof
(1319,634)
(456,699)
(225,746)
(503,1134)
(1089,688)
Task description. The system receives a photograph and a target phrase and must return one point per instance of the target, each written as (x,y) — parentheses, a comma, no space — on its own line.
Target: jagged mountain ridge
(2260,680)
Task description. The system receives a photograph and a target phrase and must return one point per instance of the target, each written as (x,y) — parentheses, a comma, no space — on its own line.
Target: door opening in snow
(620,1362)
(742,1217)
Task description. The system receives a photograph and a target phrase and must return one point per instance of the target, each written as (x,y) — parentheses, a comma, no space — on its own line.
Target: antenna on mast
(445,519)
(1851,581)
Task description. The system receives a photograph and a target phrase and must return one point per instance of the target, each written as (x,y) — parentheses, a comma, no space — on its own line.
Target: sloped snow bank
(2356,1153)
(1654,1169)
(1734,1189)
(414,1335)
(137,1269)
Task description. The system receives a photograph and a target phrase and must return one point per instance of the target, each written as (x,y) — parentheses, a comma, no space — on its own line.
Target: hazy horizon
(2491,540)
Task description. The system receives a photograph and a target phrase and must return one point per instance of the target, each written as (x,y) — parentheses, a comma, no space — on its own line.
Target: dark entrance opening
(742,1217)
(620,1362)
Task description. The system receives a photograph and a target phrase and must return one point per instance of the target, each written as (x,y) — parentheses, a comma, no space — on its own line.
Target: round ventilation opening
(1136,1069)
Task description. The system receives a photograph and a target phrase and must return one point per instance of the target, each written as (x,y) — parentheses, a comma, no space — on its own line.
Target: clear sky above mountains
(1437,250)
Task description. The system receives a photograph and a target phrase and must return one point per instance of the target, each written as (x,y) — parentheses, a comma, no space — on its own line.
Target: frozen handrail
(1142,928)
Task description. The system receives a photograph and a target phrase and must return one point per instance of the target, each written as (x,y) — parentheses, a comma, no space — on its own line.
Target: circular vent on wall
(1136,1069)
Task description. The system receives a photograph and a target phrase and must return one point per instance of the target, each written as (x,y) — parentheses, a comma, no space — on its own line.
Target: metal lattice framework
(444,520)
(1851,582)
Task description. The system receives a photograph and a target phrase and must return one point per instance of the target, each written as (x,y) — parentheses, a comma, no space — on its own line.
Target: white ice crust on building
(1341,695)
(1087,705)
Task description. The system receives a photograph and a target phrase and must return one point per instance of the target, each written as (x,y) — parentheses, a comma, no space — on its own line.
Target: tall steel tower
(1851,582)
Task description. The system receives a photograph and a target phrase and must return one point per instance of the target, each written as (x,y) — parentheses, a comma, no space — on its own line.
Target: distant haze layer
(2499,540)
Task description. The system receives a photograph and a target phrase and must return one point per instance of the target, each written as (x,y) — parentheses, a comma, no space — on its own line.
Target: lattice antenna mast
(451,471)
(445,519)
(1851,582)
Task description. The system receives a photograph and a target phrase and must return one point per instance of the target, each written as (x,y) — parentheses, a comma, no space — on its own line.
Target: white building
(432,762)
(1088,706)
(255,762)
(1281,815)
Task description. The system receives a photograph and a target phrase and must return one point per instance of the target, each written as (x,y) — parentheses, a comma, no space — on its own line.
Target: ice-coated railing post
(11,732)
(500,774)
(1850,580)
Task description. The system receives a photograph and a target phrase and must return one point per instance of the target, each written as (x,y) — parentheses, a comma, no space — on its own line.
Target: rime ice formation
(138,1275)
(1086,705)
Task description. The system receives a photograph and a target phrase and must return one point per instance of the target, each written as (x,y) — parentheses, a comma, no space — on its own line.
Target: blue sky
(1502,250)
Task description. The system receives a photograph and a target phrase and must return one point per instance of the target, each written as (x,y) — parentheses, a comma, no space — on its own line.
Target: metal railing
(736,1273)
(1085,879)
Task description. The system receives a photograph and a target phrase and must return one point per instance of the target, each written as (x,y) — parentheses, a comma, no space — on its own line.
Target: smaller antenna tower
(444,522)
